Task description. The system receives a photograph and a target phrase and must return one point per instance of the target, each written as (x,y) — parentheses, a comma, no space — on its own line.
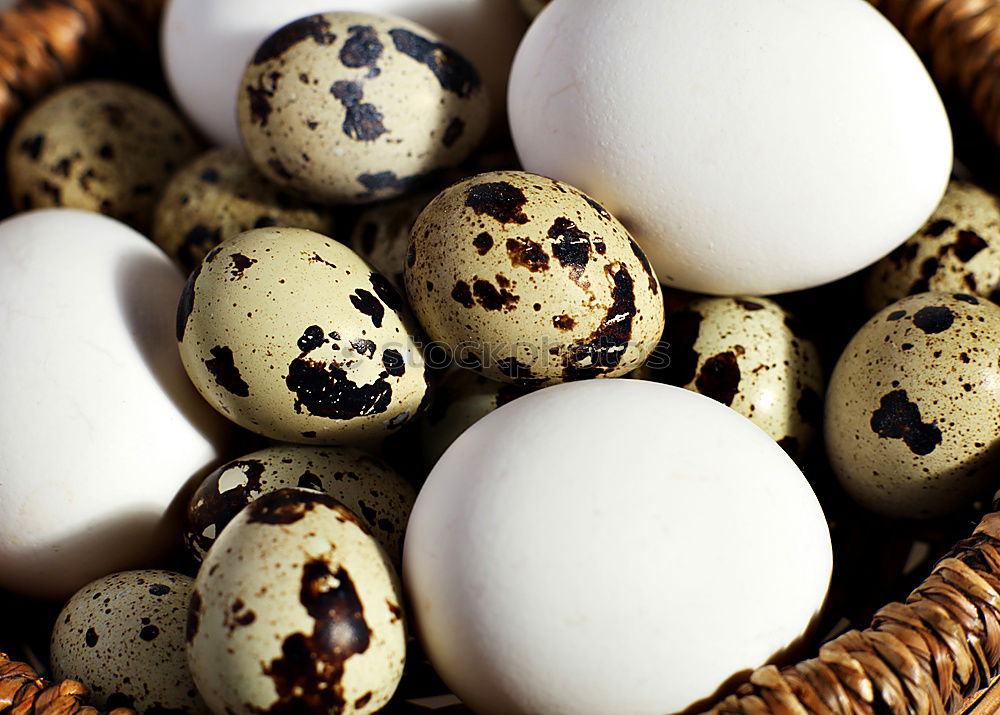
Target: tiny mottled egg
(296,609)
(958,249)
(219,195)
(382,233)
(530,281)
(913,411)
(366,485)
(459,400)
(123,635)
(99,146)
(292,336)
(353,108)
(746,353)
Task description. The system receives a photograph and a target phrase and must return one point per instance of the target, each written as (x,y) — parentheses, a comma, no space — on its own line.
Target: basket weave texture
(935,654)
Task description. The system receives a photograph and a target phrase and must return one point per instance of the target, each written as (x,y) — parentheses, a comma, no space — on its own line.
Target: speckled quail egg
(219,195)
(292,336)
(912,409)
(382,233)
(530,281)
(958,249)
(459,400)
(351,107)
(123,635)
(99,146)
(296,609)
(366,485)
(747,353)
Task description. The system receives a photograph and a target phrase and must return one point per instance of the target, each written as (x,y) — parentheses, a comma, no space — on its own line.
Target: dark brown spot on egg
(563,322)
(453,72)
(604,349)
(896,315)
(315,27)
(149,633)
(287,506)
(898,418)
(483,243)
(525,253)
(601,211)
(363,121)
(971,300)
(490,298)
(362,49)
(312,338)
(453,132)
(90,638)
(719,378)
(240,264)
(570,246)
(224,370)
(928,269)
(463,294)
(307,676)
(326,391)
(210,506)
(32,146)
(936,228)
(383,180)
(193,616)
(386,292)
(363,700)
(364,347)
(368,304)
(393,363)
(159,589)
(308,480)
(967,245)
(498,199)
(210,176)
(934,319)
(186,303)
(260,97)
(654,287)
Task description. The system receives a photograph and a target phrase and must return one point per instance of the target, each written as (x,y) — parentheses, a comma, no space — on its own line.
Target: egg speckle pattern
(123,635)
(531,282)
(100,146)
(366,485)
(296,609)
(292,336)
(382,233)
(219,195)
(958,249)
(746,353)
(912,410)
(352,108)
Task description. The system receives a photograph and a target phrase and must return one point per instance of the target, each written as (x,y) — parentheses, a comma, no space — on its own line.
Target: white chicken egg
(589,549)
(100,428)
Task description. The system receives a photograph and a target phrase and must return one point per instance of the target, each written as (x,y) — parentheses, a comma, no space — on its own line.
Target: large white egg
(751,146)
(611,546)
(207,44)
(100,428)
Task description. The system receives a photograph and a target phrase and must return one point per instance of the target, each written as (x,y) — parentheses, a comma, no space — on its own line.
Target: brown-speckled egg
(296,610)
(292,336)
(957,250)
(99,146)
(530,281)
(382,233)
(913,410)
(460,399)
(351,107)
(219,195)
(366,485)
(123,635)
(746,353)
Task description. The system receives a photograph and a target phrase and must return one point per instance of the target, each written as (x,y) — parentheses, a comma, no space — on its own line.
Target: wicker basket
(936,653)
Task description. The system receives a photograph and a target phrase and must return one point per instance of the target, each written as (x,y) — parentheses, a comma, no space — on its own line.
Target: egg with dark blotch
(349,107)
(382,232)
(529,281)
(459,400)
(219,195)
(123,635)
(749,354)
(912,410)
(366,485)
(957,250)
(99,146)
(292,336)
(296,609)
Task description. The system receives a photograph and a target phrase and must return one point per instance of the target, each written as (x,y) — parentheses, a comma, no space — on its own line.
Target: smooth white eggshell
(590,548)
(751,146)
(100,427)
(207,44)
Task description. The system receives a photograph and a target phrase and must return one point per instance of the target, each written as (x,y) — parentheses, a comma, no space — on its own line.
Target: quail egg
(219,195)
(123,635)
(531,282)
(296,609)
(292,336)
(958,249)
(912,409)
(366,485)
(100,146)
(352,107)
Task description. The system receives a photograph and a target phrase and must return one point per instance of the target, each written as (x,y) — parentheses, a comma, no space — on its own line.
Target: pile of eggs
(392,384)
